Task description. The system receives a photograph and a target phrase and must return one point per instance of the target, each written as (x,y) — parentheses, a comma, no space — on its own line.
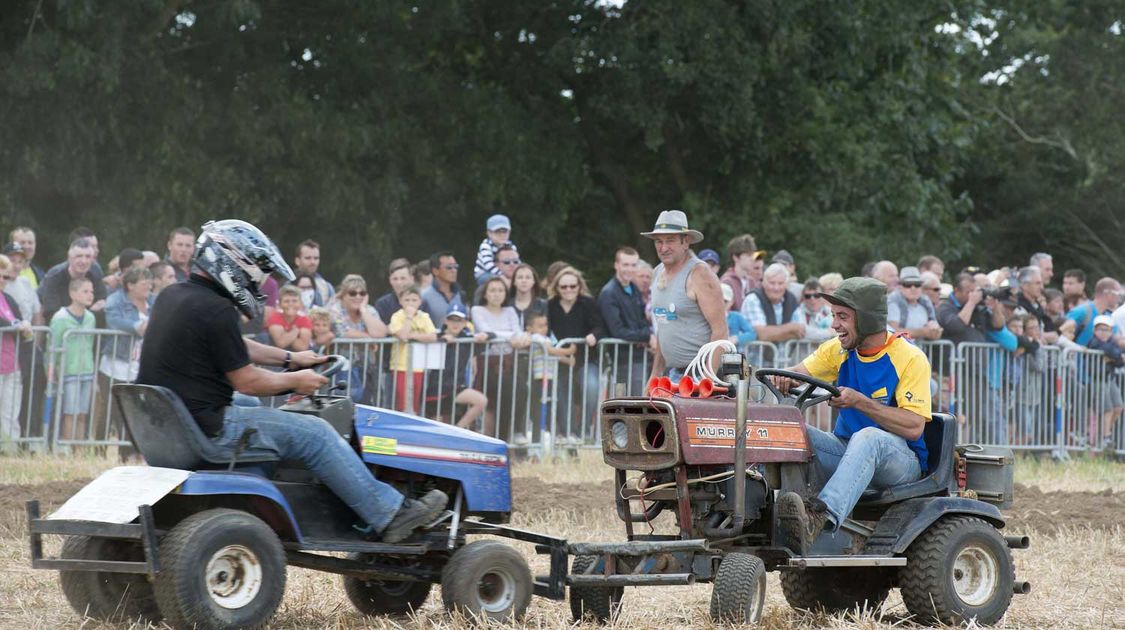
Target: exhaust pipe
(1017,542)
(1021,588)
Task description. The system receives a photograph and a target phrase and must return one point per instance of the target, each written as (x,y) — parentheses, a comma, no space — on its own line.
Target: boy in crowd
(322,335)
(499,234)
(545,359)
(1105,339)
(409,323)
(451,382)
(74,358)
(289,329)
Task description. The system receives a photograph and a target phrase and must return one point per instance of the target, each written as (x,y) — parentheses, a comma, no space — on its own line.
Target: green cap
(868,298)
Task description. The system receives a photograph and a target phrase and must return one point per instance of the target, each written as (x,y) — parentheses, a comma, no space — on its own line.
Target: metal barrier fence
(536,395)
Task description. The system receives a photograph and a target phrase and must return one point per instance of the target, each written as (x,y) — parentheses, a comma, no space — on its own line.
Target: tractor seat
(941,439)
(162,429)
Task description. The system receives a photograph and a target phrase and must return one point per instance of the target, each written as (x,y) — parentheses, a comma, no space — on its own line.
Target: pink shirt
(7,341)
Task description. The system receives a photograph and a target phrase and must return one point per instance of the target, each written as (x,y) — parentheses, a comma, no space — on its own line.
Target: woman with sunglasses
(353,317)
(10,385)
(815,312)
(573,314)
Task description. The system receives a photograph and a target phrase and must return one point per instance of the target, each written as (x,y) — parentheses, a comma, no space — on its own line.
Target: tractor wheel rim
(234,576)
(496,591)
(975,575)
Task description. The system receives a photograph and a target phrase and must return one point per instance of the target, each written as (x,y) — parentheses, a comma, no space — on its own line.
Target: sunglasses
(911,285)
(567,287)
(452,267)
(355,292)
(809,296)
(9,278)
(514,261)
(931,288)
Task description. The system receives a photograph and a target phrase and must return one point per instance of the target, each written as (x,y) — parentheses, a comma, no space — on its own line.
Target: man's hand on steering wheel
(783,383)
(847,399)
(306,359)
(306,381)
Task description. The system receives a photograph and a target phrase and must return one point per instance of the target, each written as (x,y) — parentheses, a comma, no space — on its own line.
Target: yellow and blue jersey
(898,375)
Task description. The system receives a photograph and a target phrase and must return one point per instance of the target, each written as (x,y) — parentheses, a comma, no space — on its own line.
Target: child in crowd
(741,332)
(1034,429)
(288,327)
(453,379)
(322,335)
(74,358)
(545,359)
(499,233)
(1105,339)
(409,323)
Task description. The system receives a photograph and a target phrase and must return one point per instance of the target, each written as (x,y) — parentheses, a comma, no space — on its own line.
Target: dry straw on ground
(1076,563)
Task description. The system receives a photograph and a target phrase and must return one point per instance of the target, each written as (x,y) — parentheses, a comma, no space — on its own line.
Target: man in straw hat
(884,405)
(687,303)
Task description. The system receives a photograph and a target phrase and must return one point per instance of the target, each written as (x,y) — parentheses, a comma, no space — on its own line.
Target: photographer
(969,313)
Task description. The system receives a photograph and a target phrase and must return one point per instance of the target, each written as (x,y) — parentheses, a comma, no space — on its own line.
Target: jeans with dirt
(872,458)
(316,444)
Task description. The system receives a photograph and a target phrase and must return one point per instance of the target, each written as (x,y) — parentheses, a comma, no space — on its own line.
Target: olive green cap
(868,298)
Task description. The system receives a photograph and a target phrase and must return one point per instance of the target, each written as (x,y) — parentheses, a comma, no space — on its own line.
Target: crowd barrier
(533,396)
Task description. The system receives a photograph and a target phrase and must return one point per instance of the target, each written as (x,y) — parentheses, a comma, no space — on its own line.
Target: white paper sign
(427,356)
(116,496)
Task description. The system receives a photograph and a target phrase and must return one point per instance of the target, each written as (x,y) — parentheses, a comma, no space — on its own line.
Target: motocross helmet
(239,257)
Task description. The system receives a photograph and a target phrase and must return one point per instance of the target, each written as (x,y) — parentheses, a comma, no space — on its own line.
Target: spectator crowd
(521,332)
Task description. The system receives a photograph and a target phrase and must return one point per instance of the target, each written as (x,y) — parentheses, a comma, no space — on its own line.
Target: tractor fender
(905,521)
(271,506)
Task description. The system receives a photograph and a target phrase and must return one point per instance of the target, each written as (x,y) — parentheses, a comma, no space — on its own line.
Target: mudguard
(399,440)
(904,522)
(238,483)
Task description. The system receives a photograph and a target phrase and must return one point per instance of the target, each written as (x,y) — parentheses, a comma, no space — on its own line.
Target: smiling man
(884,405)
(687,303)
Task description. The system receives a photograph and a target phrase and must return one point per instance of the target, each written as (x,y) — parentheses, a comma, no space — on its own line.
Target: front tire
(487,579)
(958,570)
(739,593)
(104,595)
(220,569)
(384,597)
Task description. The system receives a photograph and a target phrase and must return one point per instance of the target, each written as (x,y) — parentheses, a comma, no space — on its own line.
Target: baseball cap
(709,255)
(868,298)
(1103,320)
(499,222)
(455,311)
(783,257)
(12,248)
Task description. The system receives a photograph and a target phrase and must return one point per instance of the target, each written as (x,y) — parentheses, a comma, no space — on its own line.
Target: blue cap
(709,255)
(455,311)
(499,221)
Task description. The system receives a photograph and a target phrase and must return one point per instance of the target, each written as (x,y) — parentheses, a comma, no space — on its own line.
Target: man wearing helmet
(193,347)
(884,382)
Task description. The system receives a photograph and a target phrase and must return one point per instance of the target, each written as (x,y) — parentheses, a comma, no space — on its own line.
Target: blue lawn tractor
(202,540)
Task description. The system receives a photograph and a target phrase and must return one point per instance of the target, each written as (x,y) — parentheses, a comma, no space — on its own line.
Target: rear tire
(104,595)
(487,579)
(220,569)
(836,590)
(599,604)
(958,570)
(739,594)
(384,597)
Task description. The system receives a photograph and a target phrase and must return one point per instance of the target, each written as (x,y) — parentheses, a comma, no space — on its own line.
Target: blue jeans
(316,444)
(871,458)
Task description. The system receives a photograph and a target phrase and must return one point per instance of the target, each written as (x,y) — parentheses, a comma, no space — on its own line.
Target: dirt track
(1033,510)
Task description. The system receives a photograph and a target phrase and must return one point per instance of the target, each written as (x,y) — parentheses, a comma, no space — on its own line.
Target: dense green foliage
(842,131)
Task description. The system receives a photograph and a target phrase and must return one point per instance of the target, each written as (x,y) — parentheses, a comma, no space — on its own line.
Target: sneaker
(800,522)
(520,440)
(413,514)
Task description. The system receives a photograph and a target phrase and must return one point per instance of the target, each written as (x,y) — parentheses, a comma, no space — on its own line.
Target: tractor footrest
(809,562)
(361,546)
(659,579)
(636,547)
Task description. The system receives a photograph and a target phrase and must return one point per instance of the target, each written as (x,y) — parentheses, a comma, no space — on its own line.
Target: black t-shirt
(54,289)
(192,341)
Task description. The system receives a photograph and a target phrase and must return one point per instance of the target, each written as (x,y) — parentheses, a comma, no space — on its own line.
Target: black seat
(941,439)
(164,432)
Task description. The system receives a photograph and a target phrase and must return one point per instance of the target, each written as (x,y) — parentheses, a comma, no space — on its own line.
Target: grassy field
(1077,570)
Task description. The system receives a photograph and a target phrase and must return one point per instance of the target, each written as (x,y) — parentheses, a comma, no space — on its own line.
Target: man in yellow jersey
(884,405)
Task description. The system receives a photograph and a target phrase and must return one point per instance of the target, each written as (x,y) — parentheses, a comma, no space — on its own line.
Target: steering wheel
(335,364)
(805,399)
